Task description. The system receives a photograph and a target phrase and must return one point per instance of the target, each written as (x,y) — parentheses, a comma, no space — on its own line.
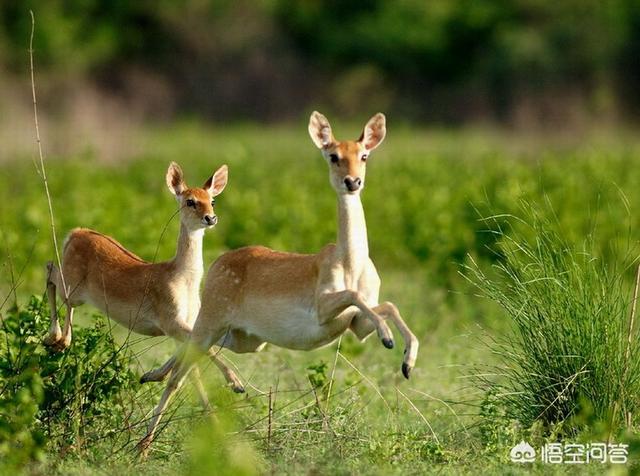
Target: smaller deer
(152,299)
(255,295)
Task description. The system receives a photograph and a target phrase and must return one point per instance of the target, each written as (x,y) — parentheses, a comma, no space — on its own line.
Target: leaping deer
(152,299)
(255,295)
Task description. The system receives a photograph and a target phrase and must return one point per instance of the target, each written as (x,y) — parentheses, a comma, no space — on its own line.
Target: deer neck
(352,246)
(188,259)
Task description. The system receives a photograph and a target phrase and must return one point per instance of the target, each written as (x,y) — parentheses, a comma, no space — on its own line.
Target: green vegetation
(348,411)
(572,356)
(449,60)
(62,402)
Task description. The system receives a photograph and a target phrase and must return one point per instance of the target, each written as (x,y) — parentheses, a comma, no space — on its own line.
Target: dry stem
(42,170)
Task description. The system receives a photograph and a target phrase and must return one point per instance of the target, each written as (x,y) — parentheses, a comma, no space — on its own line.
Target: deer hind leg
(362,327)
(58,339)
(186,359)
(159,374)
(65,341)
(55,333)
(181,369)
(182,332)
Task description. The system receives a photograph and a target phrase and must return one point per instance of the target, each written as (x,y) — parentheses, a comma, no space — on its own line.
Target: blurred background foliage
(523,62)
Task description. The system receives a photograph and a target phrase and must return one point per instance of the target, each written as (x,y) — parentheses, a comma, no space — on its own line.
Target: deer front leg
(390,311)
(330,304)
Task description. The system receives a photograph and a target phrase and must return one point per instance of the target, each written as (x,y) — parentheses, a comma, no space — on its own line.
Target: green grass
(425,194)
(571,357)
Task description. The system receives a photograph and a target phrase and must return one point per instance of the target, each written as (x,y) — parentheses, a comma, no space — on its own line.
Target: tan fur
(255,295)
(137,294)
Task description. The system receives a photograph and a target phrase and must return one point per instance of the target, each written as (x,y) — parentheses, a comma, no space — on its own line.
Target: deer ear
(175,179)
(217,182)
(320,131)
(374,132)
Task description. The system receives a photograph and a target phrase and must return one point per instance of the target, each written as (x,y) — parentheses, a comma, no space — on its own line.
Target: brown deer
(152,299)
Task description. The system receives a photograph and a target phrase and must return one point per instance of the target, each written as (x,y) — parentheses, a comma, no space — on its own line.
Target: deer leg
(229,375)
(329,305)
(55,333)
(202,394)
(158,375)
(175,382)
(361,326)
(185,361)
(66,330)
(390,311)
(182,332)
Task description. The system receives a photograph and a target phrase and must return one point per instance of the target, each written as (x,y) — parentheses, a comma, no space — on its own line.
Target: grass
(425,194)
(571,357)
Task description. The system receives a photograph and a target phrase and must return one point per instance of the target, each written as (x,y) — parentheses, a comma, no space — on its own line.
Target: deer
(152,299)
(255,295)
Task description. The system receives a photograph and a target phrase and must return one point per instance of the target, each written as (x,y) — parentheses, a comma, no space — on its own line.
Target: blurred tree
(267,59)
(80,36)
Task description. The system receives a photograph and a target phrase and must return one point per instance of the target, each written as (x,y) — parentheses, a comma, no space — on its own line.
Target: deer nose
(353,184)
(210,220)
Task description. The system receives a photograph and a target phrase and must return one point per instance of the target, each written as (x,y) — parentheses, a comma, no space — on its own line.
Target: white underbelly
(289,324)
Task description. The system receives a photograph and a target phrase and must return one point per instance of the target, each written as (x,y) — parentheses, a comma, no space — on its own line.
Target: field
(343,409)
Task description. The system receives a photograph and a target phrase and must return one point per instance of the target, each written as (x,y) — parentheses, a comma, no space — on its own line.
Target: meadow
(346,408)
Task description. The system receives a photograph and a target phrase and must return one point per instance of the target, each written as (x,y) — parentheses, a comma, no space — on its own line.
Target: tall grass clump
(570,358)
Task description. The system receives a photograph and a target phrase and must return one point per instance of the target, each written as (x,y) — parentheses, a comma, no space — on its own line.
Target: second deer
(152,299)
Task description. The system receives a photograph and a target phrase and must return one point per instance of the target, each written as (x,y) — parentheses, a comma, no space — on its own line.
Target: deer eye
(191,202)
(364,157)
(213,202)
(334,158)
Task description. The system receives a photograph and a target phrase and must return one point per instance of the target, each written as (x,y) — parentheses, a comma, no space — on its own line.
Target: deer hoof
(388,343)
(406,370)
(238,389)
(51,341)
(61,344)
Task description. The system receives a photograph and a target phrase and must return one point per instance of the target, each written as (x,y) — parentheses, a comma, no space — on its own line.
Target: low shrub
(60,400)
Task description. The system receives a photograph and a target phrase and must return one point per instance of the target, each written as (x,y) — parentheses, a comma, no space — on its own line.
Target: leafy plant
(65,397)
(317,374)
